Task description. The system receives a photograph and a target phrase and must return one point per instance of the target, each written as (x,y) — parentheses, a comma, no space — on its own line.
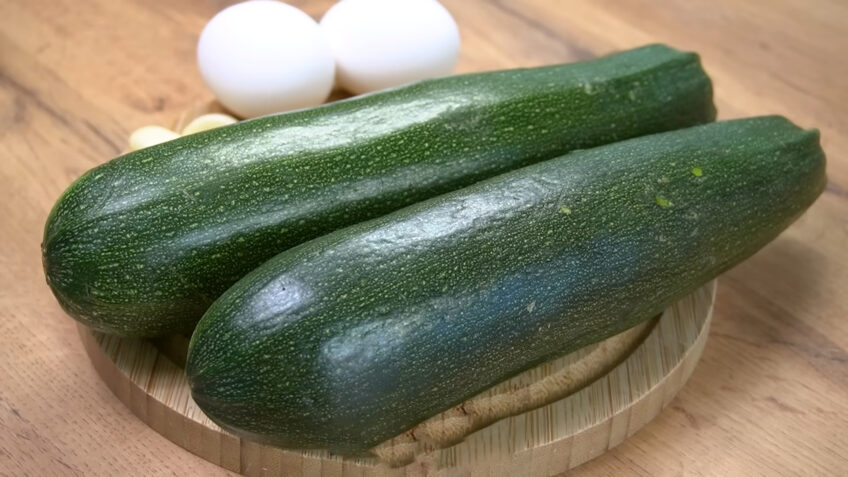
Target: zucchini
(352,338)
(143,244)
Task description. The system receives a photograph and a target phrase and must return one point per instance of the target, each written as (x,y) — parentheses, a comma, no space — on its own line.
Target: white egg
(264,56)
(384,43)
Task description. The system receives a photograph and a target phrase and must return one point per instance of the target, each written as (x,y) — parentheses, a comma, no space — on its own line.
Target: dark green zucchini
(354,337)
(143,244)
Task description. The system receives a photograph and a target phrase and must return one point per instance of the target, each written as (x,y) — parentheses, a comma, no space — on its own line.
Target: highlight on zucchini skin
(352,338)
(143,244)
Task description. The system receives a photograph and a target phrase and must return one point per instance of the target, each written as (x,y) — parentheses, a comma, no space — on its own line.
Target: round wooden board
(539,443)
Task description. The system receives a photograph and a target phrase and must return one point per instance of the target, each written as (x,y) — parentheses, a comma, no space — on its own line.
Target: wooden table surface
(770,396)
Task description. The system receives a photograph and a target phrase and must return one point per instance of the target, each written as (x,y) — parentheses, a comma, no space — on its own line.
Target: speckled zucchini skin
(143,244)
(352,338)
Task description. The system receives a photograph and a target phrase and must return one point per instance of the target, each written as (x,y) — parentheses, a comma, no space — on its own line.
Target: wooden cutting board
(148,377)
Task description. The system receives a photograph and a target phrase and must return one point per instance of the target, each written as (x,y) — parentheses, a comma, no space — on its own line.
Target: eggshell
(264,56)
(384,43)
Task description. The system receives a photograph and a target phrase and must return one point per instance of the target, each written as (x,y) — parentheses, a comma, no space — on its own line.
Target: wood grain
(770,396)
(628,378)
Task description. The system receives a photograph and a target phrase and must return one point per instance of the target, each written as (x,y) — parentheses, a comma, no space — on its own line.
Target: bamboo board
(541,442)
